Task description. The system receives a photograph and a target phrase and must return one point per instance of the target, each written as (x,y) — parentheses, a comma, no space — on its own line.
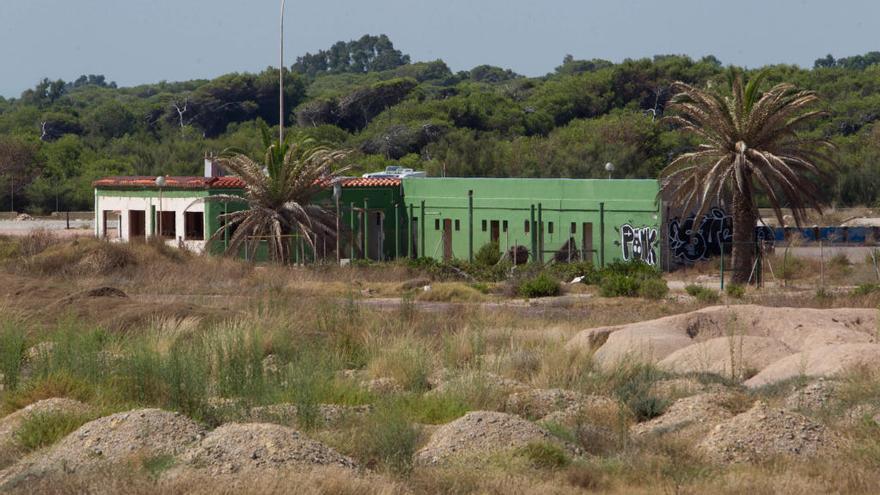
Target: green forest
(368,96)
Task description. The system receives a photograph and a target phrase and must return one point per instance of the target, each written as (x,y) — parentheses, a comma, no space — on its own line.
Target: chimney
(211,168)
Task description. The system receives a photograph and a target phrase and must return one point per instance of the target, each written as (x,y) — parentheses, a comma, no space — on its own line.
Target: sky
(143,41)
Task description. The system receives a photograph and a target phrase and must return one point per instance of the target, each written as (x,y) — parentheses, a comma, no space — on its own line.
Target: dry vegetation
(223,342)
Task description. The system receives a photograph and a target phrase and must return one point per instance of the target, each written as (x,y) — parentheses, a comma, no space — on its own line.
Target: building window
(484,225)
(504,226)
(194,222)
(437,224)
(526,226)
(457,224)
(167,225)
(574,227)
(550,227)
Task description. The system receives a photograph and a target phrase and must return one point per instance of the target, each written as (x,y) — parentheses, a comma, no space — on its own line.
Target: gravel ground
(479,434)
(764,432)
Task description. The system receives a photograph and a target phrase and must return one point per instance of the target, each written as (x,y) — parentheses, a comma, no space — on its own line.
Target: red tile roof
(228,182)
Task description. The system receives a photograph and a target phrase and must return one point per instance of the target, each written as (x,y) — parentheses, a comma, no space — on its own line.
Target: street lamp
(160,183)
(281,81)
(609,167)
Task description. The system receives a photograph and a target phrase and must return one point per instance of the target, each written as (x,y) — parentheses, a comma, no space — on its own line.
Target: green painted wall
(625,210)
(387,201)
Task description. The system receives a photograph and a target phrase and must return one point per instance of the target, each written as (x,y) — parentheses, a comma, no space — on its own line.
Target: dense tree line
(368,96)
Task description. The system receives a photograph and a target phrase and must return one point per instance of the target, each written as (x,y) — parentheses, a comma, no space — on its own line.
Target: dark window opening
(437,224)
(167,226)
(484,225)
(550,227)
(574,227)
(457,224)
(194,221)
(504,226)
(526,226)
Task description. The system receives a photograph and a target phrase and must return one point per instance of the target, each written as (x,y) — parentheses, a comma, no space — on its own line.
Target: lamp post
(281,81)
(160,183)
(609,167)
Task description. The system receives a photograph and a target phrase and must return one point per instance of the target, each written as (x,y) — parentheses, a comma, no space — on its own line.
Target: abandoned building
(383,218)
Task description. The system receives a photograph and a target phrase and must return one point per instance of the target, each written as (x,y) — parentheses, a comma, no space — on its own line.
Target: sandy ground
(59,227)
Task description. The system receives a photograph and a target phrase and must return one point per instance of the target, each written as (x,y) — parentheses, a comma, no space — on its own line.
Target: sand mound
(10,424)
(697,414)
(248,447)
(719,355)
(588,410)
(328,414)
(824,361)
(763,336)
(763,432)
(812,397)
(480,379)
(479,434)
(539,402)
(109,440)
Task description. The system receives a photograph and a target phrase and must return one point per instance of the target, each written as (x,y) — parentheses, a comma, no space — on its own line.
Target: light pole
(281,81)
(160,183)
(609,167)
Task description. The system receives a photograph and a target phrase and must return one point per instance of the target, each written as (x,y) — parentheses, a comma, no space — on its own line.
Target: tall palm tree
(278,195)
(748,144)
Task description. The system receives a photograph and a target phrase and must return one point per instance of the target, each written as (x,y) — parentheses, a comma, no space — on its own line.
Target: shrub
(703,294)
(645,408)
(569,271)
(618,285)
(654,288)
(544,455)
(541,285)
(13,346)
(40,430)
(488,255)
(388,439)
(736,291)
(865,289)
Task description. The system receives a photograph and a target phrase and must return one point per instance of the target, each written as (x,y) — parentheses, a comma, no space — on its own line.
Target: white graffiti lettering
(639,244)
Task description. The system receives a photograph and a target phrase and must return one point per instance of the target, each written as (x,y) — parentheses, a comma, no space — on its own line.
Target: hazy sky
(140,41)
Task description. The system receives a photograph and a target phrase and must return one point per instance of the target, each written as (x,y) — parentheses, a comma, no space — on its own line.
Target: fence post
(540,233)
(410,238)
(366,230)
(422,231)
(351,225)
(471,225)
(722,266)
(602,235)
(396,231)
(532,237)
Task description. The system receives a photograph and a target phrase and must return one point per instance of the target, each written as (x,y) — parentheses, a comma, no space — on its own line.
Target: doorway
(137,224)
(587,242)
(494,231)
(111,220)
(447,239)
(376,235)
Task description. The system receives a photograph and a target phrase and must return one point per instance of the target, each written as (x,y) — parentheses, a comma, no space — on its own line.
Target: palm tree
(278,195)
(748,144)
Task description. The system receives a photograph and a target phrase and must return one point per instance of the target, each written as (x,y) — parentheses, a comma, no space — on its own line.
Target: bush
(618,285)
(541,285)
(645,408)
(544,455)
(735,291)
(40,430)
(865,289)
(488,255)
(388,439)
(654,288)
(702,294)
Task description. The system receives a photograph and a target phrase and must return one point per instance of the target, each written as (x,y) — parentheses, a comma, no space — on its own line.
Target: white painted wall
(124,204)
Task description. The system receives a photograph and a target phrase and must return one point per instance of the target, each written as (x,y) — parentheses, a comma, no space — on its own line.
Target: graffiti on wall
(639,244)
(691,241)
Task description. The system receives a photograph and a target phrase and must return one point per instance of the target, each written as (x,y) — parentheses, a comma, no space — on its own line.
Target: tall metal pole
(471,226)
(281,81)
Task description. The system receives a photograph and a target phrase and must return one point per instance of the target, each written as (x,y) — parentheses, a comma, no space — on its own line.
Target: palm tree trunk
(744,219)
